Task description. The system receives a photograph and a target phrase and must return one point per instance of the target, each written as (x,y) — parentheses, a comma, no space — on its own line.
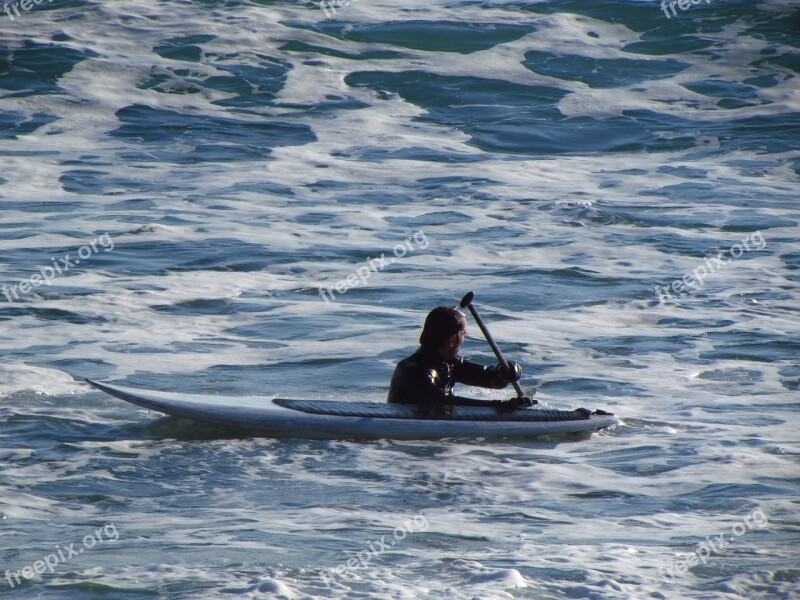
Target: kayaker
(426,378)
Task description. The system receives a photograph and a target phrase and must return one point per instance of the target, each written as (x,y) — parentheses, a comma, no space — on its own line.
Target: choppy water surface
(186,187)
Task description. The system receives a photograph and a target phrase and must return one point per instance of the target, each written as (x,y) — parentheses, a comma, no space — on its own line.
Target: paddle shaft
(467,302)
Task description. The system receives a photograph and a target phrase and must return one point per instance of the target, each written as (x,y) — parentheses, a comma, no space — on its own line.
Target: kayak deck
(377,410)
(333,419)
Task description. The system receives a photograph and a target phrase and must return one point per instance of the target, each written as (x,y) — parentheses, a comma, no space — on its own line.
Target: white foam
(48,382)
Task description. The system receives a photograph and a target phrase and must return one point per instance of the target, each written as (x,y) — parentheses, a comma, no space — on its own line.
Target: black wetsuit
(426,380)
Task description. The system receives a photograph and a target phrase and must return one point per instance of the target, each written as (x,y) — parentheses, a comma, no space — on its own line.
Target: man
(426,378)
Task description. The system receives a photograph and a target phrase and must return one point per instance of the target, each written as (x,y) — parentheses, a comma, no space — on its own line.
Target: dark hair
(442,323)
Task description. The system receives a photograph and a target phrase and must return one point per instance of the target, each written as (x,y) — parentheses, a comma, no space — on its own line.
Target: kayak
(332,419)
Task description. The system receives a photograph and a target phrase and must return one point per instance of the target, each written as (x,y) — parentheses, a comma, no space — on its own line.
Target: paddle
(466,302)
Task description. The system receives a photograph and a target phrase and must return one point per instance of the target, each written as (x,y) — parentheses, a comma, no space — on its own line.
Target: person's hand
(523,402)
(513,373)
(514,404)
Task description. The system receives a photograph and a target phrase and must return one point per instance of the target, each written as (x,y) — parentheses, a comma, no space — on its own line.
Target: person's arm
(473,374)
(470,373)
(413,384)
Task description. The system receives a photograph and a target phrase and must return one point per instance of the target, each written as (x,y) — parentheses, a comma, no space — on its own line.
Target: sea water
(229,197)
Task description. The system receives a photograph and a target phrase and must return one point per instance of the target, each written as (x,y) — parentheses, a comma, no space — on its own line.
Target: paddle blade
(466,300)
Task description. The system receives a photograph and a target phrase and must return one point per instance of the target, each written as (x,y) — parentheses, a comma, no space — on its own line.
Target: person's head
(444,331)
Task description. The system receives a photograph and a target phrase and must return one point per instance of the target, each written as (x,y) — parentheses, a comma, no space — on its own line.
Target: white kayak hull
(269,417)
